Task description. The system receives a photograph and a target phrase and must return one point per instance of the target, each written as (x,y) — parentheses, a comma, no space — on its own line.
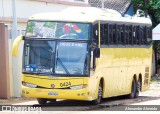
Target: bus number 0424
(65,84)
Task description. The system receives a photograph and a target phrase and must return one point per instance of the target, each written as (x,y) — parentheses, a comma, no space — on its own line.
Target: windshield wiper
(64,67)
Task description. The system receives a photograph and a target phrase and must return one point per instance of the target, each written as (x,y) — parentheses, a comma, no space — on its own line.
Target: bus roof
(89,15)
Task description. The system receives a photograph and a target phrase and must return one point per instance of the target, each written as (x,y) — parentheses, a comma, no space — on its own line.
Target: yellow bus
(85,53)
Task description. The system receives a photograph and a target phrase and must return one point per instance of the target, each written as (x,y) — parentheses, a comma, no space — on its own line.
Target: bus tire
(99,96)
(138,88)
(133,90)
(42,101)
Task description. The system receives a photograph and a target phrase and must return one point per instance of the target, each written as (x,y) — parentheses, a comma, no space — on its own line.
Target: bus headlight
(29,85)
(78,87)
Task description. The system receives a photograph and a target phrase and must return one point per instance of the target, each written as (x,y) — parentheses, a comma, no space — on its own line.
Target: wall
(4,63)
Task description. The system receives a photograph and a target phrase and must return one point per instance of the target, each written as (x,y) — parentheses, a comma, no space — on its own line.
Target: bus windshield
(55,57)
(59,30)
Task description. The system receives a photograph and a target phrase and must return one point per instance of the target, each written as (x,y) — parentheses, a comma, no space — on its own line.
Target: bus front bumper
(80,94)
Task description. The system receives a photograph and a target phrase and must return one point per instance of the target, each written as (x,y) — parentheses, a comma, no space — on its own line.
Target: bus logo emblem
(52,85)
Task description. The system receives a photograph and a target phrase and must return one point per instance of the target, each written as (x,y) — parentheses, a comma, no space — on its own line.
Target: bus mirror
(16,45)
(97,52)
(93,43)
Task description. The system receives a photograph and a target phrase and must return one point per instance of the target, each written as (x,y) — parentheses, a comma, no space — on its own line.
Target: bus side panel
(93,84)
(119,65)
(107,72)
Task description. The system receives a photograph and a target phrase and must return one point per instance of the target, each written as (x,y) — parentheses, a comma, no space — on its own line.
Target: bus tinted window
(114,33)
(130,30)
(134,35)
(111,27)
(123,34)
(127,34)
(104,34)
(119,34)
(95,33)
(141,35)
(149,35)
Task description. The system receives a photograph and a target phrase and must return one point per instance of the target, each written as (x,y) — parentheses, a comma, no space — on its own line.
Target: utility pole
(14,23)
(15,60)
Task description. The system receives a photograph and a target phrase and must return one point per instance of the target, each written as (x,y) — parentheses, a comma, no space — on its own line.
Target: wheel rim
(138,86)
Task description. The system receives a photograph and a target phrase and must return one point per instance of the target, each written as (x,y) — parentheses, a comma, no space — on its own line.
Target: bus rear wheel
(42,101)
(99,97)
(133,90)
(138,88)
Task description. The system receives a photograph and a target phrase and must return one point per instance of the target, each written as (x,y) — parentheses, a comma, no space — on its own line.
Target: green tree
(151,7)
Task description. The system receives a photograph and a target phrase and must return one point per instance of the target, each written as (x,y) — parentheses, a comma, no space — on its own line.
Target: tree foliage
(151,7)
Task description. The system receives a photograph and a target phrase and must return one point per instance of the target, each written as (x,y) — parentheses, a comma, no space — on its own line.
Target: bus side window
(127,34)
(119,34)
(145,35)
(134,36)
(123,35)
(95,32)
(114,31)
(130,35)
(110,34)
(141,36)
(138,35)
(149,35)
(104,34)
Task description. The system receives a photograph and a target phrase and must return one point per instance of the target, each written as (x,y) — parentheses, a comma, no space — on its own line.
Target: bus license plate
(53,93)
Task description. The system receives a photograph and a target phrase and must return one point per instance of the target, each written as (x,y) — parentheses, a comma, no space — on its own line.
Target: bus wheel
(138,88)
(133,90)
(42,101)
(99,97)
